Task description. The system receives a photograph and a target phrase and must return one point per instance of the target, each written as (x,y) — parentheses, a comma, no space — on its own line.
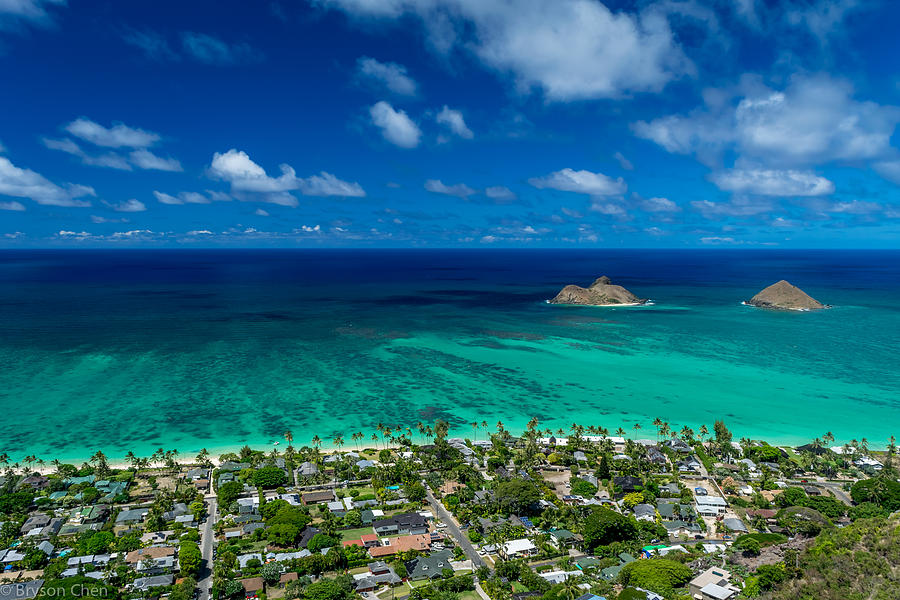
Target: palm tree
(657,422)
(474,430)
(636,427)
(687,433)
(374,438)
(339,441)
(499,426)
(828,438)
(132,459)
(484,425)
(316,442)
(620,432)
(703,432)
(289,437)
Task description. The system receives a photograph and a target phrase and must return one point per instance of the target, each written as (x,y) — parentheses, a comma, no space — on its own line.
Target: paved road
(838,490)
(207,536)
(453,528)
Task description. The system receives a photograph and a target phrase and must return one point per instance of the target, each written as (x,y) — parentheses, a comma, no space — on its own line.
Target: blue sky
(443,123)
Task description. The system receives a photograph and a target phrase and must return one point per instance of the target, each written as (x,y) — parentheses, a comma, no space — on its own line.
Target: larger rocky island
(600,293)
(782,295)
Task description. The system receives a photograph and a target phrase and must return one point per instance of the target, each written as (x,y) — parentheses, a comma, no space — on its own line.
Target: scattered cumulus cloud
(259,212)
(110,160)
(14,13)
(13,206)
(454,121)
(623,162)
(25,183)
(211,50)
(573,50)
(814,120)
(396,127)
(391,76)
(245,176)
(145,159)
(117,136)
(500,193)
(187,198)
(582,182)
(132,205)
(768,182)
(154,45)
(460,190)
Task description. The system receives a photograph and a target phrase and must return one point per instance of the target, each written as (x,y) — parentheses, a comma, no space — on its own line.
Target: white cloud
(889,169)
(391,76)
(213,51)
(237,168)
(200,232)
(718,240)
(500,193)
(570,49)
(153,45)
(35,12)
(658,205)
(813,121)
(261,213)
(609,208)
(182,198)
(460,190)
(823,18)
(582,182)
(14,235)
(117,136)
(326,184)
(132,205)
(768,182)
(738,207)
(396,127)
(99,220)
(453,119)
(110,160)
(623,162)
(855,207)
(145,159)
(12,205)
(73,234)
(310,229)
(24,183)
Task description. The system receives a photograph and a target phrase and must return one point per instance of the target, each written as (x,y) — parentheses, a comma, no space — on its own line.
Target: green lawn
(518,587)
(473,595)
(354,534)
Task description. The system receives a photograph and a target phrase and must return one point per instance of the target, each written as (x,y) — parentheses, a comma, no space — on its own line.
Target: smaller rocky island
(784,296)
(600,293)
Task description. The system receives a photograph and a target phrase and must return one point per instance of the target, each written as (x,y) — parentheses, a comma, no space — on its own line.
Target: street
(207,536)
(453,527)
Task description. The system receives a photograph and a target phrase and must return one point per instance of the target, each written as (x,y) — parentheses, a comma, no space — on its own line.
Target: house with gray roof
(429,567)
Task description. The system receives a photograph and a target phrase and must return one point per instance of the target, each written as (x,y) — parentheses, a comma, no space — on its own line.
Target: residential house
(404,524)
(429,567)
(710,506)
(318,497)
(21,591)
(563,538)
(143,584)
(517,549)
(713,584)
(132,516)
(253,586)
(307,469)
(644,512)
(628,484)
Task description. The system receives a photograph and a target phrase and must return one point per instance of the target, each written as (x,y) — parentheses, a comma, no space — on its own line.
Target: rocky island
(600,293)
(784,296)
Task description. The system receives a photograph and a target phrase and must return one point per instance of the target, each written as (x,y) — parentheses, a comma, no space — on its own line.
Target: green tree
(604,526)
(229,492)
(189,558)
(655,574)
(283,534)
(184,590)
(269,477)
(517,495)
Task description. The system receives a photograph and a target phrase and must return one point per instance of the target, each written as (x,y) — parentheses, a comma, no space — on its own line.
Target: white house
(517,549)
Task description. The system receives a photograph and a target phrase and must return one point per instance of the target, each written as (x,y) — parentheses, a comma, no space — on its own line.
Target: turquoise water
(135,350)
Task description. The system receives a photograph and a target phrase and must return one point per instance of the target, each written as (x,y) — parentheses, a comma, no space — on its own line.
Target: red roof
(369,537)
(353,543)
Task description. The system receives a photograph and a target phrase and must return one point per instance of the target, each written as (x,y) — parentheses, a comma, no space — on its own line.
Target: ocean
(131,350)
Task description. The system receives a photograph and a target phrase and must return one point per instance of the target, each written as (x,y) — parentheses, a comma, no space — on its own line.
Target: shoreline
(185,459)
